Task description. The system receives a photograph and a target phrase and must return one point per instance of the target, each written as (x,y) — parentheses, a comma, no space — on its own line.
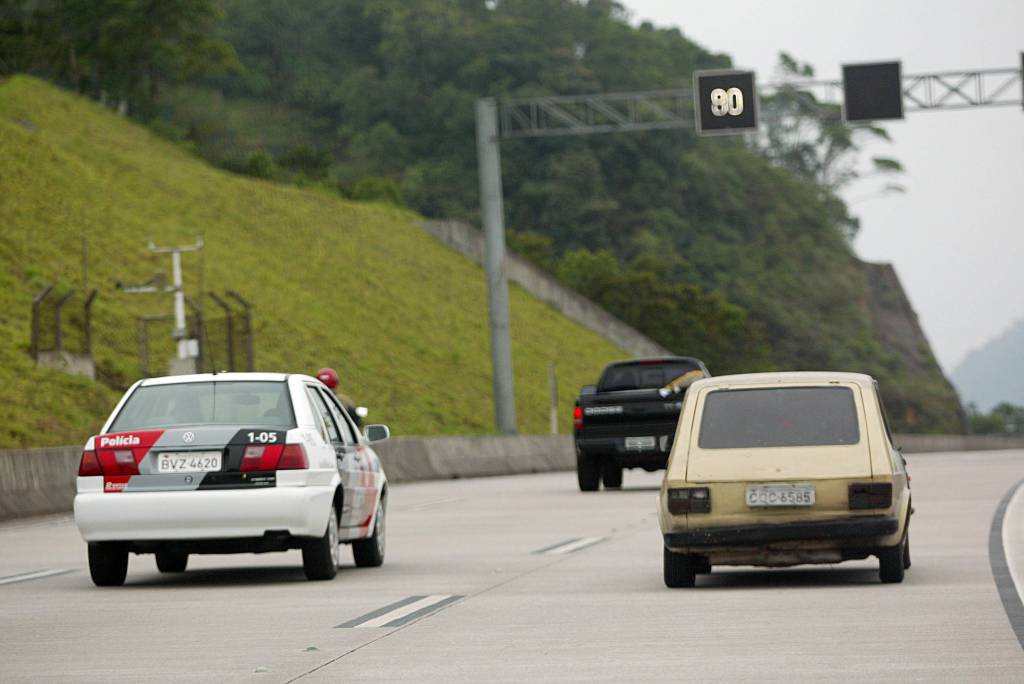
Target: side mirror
(362,411)
(587,390)
(377,433)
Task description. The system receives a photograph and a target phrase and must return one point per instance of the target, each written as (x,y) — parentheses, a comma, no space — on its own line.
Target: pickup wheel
(588,472)
(611,474)
(680,569)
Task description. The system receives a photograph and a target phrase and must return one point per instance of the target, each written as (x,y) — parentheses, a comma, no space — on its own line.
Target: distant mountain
(994,372)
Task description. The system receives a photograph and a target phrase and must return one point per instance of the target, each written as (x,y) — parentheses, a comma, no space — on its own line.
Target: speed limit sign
(726,101)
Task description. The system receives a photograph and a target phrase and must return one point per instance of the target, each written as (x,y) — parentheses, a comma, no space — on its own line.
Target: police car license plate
(640,443)
(188,462)
(780,495)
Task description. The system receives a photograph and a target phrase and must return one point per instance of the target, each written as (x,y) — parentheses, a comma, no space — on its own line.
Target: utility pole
(492,212)
(180,333)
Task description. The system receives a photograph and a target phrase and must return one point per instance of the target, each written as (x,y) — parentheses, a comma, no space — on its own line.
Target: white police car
(230,463)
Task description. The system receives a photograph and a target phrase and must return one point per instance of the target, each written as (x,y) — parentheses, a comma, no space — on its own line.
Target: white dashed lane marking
(569,546)
(401,612)
(34,575)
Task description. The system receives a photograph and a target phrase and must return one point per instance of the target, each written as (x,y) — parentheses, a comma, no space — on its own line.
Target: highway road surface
(526,579)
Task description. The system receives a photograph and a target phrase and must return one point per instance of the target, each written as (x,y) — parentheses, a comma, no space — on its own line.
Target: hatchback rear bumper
(850,529)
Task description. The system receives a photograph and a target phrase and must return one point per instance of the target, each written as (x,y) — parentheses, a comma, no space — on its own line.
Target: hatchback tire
(680,569)
(171,561)
(320,556)
(108,563)
(369,552)
(890,563)
(588,472)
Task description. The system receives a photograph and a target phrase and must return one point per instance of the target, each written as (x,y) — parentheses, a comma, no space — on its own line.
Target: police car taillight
(89,466)
(293,457)
(257,457)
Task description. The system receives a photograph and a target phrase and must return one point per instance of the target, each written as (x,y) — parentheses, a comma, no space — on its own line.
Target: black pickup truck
(629,418)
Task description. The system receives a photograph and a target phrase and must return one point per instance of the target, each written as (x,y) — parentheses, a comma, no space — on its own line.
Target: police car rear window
(256,404)
(779,417)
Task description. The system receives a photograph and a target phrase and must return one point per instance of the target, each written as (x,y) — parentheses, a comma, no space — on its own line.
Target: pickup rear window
(631,376)
(249,403)
(782,417)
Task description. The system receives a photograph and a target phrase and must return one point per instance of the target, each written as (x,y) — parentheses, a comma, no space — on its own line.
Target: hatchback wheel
(320,557)
(369,552)
(890,563)
(108,563)
(170,561)
(680,569)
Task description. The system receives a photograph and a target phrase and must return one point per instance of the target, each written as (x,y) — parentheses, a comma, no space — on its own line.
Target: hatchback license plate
(188,462)
(640,443)
(787,495)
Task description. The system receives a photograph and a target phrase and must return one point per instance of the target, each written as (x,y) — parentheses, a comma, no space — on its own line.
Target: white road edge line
(401,612)
(1013,531)
(575,545)
(38,574)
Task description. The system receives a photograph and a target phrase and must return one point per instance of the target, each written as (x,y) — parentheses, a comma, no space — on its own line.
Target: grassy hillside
(354,286)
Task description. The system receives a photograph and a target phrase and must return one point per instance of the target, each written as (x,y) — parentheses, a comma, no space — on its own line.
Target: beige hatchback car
(780,469)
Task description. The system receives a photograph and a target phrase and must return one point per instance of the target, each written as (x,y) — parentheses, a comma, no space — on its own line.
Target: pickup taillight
(577,418)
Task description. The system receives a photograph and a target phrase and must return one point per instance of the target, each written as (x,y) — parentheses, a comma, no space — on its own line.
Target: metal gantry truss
(544,116)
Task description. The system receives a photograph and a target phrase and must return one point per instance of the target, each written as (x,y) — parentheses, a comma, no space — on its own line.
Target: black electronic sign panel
(726,101)
(872,92)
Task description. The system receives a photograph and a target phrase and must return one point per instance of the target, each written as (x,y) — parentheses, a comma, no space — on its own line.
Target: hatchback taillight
(870,495)
(577,418)
(293,457)
(689,500)
(89,466)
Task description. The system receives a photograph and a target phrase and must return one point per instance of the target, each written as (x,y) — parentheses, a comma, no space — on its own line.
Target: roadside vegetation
(355,286)
(736,251)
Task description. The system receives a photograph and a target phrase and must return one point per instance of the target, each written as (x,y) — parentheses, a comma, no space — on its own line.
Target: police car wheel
(170,561)
(320,556)
(108,563)
(369,552)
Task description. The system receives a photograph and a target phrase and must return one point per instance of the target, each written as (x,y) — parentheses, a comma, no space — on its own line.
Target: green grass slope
(354,286)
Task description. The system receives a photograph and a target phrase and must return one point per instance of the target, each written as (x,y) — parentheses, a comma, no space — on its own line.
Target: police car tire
(108,563)
(890,563)
(588,472)
(171,561)
(611,475)
(319,562)
(369,552)
(680,570)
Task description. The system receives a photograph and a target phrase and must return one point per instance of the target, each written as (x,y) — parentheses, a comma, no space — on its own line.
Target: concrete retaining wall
(39,481)
(466,239)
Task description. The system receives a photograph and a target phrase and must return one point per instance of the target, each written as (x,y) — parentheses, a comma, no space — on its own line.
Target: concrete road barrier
(40,481)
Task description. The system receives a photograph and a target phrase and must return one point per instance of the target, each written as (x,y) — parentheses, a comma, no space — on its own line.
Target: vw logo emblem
(188,437)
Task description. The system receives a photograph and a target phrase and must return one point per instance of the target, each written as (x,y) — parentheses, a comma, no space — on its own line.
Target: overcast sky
(957,237)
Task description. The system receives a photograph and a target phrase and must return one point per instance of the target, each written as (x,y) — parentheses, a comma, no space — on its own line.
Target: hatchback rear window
(782,417)
(632,376)
(247,403)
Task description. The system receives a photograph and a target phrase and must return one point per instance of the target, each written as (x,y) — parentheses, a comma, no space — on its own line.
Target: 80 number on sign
(725,102)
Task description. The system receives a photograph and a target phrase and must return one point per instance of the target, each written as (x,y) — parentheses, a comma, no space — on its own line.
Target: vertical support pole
(179,305)
(87,324)
(250,362)
(229,321)
(553,387)
(58,314)
(492,212)
(198,333)
(37,304)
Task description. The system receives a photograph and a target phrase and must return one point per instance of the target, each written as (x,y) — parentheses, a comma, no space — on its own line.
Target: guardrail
(40,481)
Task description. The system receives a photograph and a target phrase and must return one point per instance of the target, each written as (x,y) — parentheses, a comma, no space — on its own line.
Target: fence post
(87,332)
(199,334)
(58,312)
(229,320)
(247,319)
(37,303)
